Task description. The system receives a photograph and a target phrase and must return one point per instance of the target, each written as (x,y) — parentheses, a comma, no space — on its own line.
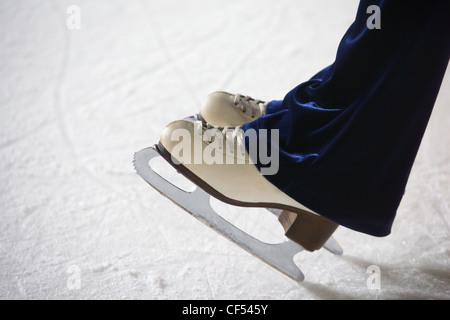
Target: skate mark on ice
(113,86)
(58,102)
(208,284)
(247,55)
(172,62)
(41,126)
(239,65)
(75,160)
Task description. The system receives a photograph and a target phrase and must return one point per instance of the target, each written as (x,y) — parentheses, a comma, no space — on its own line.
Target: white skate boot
(225,109)
(228,174)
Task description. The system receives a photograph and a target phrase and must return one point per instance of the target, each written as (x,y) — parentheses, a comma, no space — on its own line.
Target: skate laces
(224,137)
(246,101)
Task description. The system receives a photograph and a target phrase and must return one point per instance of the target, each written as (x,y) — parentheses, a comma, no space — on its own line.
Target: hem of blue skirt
(375,227)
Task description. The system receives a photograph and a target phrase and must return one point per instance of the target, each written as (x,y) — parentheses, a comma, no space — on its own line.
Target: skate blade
(279,256)
(331,245)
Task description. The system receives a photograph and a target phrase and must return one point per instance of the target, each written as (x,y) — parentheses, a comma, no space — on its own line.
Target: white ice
(76,222)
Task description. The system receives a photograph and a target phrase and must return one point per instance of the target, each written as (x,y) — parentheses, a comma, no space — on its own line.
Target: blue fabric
(350,134)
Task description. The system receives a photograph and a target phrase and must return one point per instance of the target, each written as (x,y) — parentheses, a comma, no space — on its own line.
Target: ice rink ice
(76,222)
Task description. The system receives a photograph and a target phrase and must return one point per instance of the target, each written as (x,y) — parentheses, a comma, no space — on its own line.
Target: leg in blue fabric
(350,134)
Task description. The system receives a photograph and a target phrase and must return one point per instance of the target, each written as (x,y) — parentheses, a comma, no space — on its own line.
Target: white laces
(231,135)
(255,105)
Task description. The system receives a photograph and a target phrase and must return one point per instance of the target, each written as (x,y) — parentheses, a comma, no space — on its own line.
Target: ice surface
(76,222)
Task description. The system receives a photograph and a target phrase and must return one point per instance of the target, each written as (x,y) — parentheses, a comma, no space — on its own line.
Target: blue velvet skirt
(348,136)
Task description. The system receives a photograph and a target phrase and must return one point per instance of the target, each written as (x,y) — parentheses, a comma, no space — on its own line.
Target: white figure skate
(233,184)
(223,108)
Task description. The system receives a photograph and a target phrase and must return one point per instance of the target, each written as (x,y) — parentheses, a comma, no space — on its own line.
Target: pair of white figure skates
(233,178)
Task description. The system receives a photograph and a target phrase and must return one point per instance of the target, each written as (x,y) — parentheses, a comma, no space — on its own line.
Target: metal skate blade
(280,256)
(333,246)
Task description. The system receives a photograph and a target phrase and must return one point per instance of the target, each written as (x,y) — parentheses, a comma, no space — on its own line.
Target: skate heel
(309,230)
